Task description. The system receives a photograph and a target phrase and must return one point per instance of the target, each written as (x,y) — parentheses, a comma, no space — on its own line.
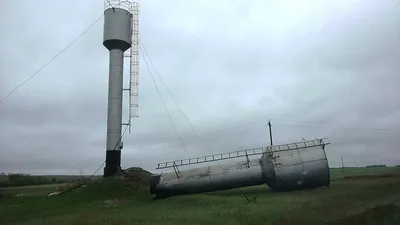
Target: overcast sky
(309,66)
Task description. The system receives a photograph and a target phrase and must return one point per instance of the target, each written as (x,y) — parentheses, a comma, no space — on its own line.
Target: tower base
(113,163)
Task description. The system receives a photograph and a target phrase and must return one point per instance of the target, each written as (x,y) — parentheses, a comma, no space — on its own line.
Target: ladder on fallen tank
(243,153)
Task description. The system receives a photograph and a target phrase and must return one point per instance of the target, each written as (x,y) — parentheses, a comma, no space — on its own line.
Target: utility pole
(270,131)
(342,164)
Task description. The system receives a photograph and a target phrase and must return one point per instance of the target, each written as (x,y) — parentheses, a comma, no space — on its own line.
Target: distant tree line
(23,179)
(374,166)
(371,166)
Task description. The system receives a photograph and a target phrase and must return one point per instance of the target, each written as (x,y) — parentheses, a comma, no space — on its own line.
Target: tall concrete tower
(118,26)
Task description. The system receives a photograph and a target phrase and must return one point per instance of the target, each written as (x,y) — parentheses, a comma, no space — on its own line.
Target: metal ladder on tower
(134,66)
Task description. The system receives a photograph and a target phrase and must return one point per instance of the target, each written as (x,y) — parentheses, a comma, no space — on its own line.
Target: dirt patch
(380,215)
(68,188)
(135,176)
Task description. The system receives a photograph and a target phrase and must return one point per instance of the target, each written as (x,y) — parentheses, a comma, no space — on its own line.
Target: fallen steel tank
(282,167)
(207,179)
(296,166)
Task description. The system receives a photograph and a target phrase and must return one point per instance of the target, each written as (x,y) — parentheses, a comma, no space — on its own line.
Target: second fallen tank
(296,166)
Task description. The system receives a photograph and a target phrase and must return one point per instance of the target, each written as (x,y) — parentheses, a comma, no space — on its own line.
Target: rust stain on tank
(276,160)
(240,166)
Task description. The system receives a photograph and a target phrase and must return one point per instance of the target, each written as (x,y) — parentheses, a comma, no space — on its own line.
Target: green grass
(355,200)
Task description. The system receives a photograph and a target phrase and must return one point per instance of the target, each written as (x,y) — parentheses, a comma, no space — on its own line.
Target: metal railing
(127,5)
(243,153)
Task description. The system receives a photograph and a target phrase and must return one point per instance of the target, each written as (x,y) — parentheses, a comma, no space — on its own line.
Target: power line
(51,60)
(260,124)
(165,106)
(323,125)
(186,117)
(341,128)
(172,96)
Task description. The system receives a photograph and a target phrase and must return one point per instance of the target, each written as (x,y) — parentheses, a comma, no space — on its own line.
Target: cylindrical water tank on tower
(117,39)
(117,25)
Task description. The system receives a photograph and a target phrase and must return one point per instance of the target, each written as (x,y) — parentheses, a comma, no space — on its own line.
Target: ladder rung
(134,67)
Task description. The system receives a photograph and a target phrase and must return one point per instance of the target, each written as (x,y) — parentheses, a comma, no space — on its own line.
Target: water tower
(120,34)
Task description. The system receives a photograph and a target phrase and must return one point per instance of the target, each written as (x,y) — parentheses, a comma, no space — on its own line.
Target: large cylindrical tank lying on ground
(282,167)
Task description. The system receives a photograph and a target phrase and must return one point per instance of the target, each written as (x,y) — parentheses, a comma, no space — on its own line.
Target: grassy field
(339,173)
(355,196)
